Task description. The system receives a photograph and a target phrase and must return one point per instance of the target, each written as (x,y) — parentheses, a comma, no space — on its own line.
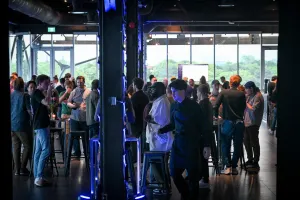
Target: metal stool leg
(86,153)
(129,161)
(144,174)
(68,152)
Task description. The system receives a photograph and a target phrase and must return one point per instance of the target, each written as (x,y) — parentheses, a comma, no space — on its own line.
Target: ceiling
(166,15)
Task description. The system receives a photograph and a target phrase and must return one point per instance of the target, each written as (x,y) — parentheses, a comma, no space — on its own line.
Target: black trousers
(188,190)
(19,138)
(251,142)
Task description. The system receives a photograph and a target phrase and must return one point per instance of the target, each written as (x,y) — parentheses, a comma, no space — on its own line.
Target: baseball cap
(250,84)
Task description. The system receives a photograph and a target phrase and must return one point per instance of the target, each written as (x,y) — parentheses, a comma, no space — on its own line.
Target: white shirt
(160,113)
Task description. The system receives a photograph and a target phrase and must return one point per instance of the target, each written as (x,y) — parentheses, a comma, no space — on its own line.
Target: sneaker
(160,192)
(203,184)
(24,172)
(226,171)
(234,171)
(17,173)
(249,163)
(41,182)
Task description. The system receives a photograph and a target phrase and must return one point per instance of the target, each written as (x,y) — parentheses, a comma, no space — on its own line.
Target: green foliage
(88,70)
(249,69)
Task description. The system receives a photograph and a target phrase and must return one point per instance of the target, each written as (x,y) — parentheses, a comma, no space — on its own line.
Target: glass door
(62,62)
(43,62)
(268,63)
(53,61)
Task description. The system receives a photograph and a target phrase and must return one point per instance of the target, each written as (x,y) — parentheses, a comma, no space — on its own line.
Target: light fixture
(84,197)
(226,3)
(77,12)
(92,23)
(139,196)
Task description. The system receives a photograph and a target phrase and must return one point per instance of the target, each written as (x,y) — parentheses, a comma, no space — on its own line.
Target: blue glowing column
(132,39)
(112,98)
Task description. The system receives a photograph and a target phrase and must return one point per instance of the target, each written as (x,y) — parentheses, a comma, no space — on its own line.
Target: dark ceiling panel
(170,12)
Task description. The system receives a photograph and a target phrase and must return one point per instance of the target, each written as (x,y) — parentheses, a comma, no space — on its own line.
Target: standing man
(253,116)
(76,102)
(91,104)
(192,90)
(148,84)
(270,108)
(234,104)
(185,154)
(225,83)
(41,122)
(139,101)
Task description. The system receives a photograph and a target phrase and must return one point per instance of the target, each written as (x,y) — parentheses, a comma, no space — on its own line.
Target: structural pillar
(132,39)
(140,66)
(288,130)
(111,37)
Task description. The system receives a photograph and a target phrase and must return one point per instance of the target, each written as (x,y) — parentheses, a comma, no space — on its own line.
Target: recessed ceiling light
(77,12)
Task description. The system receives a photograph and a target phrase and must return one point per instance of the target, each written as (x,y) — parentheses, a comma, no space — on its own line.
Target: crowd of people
(35,104)
(180,117)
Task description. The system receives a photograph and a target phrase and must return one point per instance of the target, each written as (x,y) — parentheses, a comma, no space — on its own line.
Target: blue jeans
(237,137)
(273,125)
(42,151)
(94,130)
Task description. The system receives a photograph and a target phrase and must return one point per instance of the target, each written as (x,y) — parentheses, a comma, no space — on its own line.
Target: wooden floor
(243,186)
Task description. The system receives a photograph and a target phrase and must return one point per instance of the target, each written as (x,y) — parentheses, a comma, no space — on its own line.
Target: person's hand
(206,152)
(50,87)
(69,90)
(77,105)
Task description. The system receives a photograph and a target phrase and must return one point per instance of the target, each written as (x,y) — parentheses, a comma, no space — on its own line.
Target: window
(26,63)
(85,57)
(226,55)
(156,56)
(178,52)
(62,40)
(203,52)
(270,63)
(249,58)
(43,62)
(12,53)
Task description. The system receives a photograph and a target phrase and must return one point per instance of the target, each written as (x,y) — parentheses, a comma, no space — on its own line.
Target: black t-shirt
(271,87)
(139,101)
(42,119)
(225,85)
(234,104)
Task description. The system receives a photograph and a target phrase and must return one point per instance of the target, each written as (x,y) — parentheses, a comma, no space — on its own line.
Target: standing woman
(20,126)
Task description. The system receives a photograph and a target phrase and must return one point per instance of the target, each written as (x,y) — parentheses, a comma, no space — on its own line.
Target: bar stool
(59,131)
(68,148)
(160,157)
